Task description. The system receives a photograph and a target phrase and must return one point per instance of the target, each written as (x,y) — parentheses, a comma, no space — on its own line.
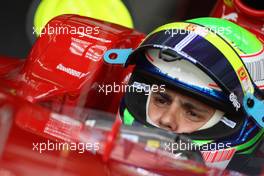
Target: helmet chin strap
(218,115)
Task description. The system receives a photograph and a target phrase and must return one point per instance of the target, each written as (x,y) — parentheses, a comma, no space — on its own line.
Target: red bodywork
(64,67)
(23,124)
(239,12)
(65,71)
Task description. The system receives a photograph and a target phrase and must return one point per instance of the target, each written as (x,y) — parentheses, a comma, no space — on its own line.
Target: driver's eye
(191,113)
(161,101)
(193,116)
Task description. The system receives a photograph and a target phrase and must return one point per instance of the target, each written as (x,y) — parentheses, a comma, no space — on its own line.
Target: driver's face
(178,113)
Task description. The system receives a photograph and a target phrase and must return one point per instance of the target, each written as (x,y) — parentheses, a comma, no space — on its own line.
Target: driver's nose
(171,117)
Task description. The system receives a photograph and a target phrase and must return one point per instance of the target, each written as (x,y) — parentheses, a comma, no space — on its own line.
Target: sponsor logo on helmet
(234,100)
(242,73)
(245,81)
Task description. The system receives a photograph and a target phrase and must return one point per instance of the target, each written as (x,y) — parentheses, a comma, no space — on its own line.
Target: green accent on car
(201,142)
(251,142)
(252,149)
(128,118)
